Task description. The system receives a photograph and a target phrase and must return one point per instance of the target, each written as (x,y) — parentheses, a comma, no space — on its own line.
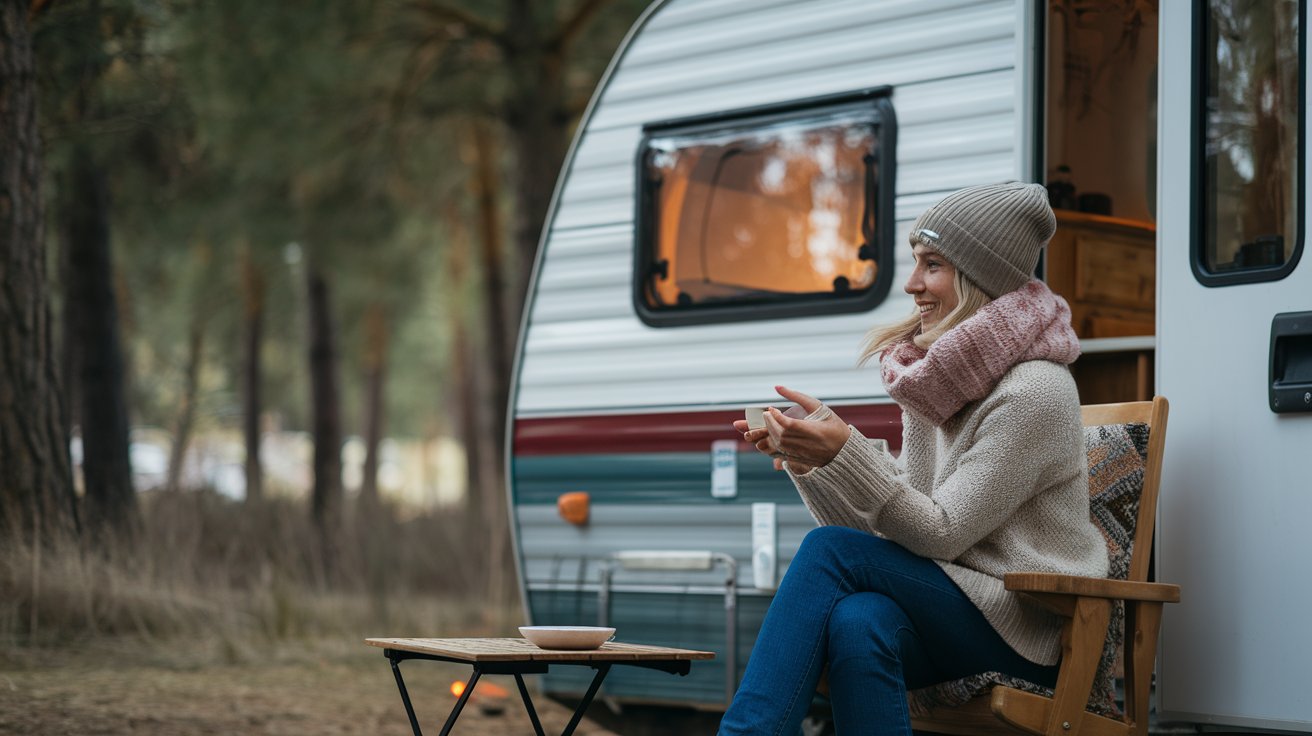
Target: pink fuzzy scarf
(964,365)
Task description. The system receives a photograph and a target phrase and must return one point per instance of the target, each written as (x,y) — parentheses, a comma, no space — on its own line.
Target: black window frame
(875,99)
(1198,156)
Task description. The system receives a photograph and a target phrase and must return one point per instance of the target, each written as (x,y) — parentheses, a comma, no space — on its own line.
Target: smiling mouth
(927,308)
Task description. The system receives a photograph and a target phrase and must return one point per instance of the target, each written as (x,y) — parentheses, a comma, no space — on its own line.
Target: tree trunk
(464,388)
(111,503)
(36,488)
(464,366)
(70,355)
(475,384)
(539,119)
(253,318)
(187,409)
(326,425)
(487,479)
(500,331)
(375,372)
(496,519)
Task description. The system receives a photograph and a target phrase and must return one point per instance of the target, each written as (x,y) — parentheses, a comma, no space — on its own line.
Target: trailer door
(1235,523)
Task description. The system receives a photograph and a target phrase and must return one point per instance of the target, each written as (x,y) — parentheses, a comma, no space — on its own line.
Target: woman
(901,587)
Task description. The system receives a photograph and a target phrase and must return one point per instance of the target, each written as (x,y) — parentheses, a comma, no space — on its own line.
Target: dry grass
(225,618)
(203,565)
(127,687)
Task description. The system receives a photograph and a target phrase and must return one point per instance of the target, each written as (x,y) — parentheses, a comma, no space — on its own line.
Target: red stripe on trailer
(691,431)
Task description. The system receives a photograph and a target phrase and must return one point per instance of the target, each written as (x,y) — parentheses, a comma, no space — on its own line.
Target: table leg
(405,696)
(528,705)
(602,670)
(518,669)
(460,704)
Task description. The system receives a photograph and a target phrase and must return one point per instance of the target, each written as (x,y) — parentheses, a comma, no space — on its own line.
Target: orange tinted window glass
(763,214)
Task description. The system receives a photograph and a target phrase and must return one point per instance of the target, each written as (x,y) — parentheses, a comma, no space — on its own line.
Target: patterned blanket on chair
(1116,462)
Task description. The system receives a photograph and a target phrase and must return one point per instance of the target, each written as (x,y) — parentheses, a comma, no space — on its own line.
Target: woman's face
(932,284)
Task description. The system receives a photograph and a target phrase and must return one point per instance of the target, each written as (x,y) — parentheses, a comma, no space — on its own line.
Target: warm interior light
(573,507)
(457,688)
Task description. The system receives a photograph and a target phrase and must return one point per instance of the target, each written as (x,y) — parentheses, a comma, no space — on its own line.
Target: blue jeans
(882,619)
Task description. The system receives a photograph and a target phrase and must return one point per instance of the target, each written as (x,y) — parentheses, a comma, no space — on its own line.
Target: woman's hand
(803,443)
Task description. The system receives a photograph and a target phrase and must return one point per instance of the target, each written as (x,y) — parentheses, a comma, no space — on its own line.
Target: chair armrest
(1051,582)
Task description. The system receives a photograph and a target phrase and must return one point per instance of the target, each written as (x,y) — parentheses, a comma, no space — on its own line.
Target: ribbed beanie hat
(992,233)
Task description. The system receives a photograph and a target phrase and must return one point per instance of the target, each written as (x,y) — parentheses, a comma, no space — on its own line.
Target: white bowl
(567,637)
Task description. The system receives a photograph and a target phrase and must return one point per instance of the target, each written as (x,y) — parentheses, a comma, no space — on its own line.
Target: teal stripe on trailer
(677,477)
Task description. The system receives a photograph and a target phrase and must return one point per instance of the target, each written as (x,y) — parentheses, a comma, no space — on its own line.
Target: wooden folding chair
(1086,604)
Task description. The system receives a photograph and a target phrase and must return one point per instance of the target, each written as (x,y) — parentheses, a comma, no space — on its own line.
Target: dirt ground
(189,688)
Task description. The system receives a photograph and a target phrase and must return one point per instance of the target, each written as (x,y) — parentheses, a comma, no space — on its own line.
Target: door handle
(1291,362)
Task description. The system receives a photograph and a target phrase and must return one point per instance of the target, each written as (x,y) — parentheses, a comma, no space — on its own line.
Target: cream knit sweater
(1002,486)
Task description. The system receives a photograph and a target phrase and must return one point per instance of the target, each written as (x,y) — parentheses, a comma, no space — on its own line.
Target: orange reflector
(573,507)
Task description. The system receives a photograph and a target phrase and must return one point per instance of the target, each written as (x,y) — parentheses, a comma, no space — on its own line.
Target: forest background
(261,271)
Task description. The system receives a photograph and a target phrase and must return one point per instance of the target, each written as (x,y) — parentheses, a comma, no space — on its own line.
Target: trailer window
(770,212)
(1248,135)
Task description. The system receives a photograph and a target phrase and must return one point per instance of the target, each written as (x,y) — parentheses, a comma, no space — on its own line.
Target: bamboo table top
(520,650)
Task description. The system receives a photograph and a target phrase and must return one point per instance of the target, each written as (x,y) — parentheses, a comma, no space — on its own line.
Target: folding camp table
(518,657)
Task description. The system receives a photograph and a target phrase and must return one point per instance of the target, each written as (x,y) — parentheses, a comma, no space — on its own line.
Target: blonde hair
(969,299)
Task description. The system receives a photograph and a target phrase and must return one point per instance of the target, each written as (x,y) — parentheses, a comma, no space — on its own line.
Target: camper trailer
(734,213)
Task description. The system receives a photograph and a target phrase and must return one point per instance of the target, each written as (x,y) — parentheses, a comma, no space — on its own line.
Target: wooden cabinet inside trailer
(1106,268)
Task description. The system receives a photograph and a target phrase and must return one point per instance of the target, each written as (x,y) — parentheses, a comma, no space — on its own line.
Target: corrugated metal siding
(951,63)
